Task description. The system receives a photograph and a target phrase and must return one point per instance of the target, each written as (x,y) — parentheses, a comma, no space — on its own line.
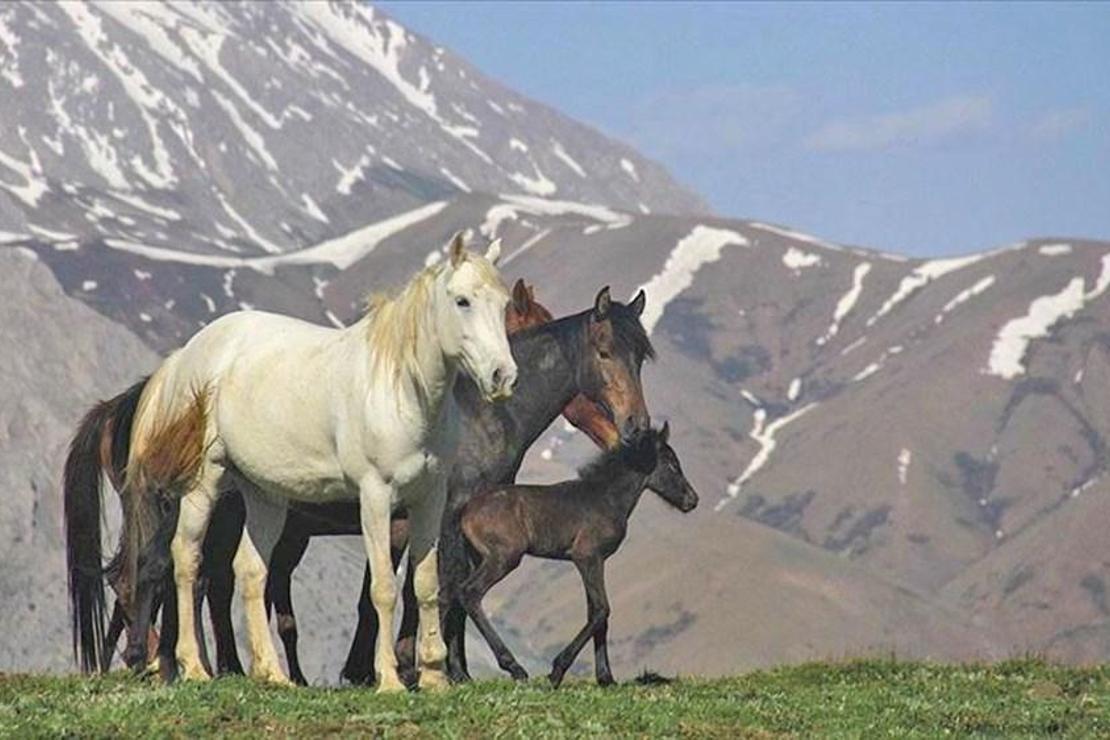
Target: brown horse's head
(523,311)
(616,346)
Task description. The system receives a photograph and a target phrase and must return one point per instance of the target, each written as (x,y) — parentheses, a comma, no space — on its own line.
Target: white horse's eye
(462,302)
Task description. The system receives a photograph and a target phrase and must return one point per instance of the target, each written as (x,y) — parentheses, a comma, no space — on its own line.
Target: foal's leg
(592,570)
(425,518)
(265,520)
(196,509)
(279,592)
(375,500)
(453,572)
(492,569)
(115,629)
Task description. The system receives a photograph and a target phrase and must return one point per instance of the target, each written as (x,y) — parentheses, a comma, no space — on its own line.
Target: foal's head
(616,346)
(471,319)
(667,478)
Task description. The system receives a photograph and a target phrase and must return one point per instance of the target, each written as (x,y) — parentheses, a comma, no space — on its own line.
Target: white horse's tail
(167,449)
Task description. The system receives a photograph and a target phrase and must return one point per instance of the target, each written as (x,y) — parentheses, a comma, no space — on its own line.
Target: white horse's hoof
(271,675)
(194,672)
(433,679)
(390,685)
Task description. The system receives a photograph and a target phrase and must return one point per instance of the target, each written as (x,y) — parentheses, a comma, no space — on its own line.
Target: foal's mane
(611,463)
(397,324)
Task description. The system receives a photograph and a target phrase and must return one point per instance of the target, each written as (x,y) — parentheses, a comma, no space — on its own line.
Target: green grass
(859,698)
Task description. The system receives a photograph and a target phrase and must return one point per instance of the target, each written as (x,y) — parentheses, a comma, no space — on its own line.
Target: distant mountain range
(893,454)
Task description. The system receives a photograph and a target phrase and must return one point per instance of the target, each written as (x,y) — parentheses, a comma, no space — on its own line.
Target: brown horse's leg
(287,555)
(592,570)
(115,629)
(359,668)
(491,570)
(220,543)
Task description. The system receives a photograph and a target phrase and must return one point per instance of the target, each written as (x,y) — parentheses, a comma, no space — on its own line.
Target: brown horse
(582,520)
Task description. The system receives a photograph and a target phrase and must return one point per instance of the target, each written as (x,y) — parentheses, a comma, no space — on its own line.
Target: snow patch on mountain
(766,439)
(964,296)
(847,302)
(1054,250)
(921,276)
(796,236)
(1013,340)
(796,260)
(700,247)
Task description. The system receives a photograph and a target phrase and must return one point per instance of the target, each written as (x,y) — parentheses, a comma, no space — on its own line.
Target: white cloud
(940,120)
(1056,124)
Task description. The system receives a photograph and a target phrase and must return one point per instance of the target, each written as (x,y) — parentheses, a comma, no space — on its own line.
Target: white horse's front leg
(264,523)
(192,522)
(425,518)
(375,499)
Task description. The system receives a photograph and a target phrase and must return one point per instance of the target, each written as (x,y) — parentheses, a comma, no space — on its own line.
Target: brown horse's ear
(602,304)
(638,303)
(521,297)
(457,252)
(665,432)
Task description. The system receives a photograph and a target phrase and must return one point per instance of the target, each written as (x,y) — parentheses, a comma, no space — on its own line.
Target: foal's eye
(462,302)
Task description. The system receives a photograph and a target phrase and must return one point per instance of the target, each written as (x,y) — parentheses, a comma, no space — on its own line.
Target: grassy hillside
(865,697)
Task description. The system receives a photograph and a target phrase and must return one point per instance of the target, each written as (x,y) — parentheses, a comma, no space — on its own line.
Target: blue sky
(929,129)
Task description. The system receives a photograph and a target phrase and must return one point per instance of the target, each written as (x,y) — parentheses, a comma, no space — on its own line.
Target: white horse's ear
(457,252)
(493,253)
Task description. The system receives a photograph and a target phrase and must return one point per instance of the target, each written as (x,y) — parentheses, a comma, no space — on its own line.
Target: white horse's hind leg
(196,508)
(424,522)
(264,523)
(375,498)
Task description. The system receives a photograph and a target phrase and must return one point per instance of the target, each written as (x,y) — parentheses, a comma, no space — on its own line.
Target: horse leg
(287,555)
(425,519)
(167,640)
(375,499)
(153,566)
(199,595)
(492,569)
(196,509)
(592,570)
(359,668)
(220,545)
(115,629)
(406,636)
(454,567)
(264,523)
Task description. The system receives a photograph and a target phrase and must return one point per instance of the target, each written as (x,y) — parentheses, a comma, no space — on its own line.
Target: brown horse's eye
(604,354)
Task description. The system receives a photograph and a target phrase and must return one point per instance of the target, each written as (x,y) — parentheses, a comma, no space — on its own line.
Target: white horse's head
(471,318)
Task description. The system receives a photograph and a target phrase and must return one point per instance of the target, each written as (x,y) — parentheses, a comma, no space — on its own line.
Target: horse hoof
(433,680)
(458,677)
(518,673)
(556,678)
(194,673)
(391,685)
(271,675)
(606,681)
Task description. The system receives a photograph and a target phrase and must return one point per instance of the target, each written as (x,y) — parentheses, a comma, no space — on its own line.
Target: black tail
(84,561)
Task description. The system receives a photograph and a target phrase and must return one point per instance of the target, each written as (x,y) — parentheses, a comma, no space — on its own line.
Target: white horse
(283,410)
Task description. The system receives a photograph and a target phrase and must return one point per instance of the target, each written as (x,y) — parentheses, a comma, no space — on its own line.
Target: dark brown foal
(583,520)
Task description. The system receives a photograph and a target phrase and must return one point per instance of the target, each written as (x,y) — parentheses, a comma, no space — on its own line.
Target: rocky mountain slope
(892,453)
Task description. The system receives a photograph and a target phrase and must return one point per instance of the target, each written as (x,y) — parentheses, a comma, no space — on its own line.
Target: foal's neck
(623,492)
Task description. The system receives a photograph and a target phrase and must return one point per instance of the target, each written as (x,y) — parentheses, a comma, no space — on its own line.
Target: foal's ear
(638,303)
(493,252)
(602,304)
(521,296)
(457,252)
(665,432)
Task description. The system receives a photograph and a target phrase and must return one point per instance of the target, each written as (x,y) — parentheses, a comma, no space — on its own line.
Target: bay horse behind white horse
(284,410)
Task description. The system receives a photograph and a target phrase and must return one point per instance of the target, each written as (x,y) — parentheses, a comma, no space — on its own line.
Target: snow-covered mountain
(253,128)
(892,453)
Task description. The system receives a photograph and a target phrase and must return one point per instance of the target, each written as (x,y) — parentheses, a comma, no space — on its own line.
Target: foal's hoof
(518,673)
(556,678)
(433,680)
(605,681)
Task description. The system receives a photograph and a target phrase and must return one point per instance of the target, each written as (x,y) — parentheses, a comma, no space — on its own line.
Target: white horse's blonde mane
(397,324)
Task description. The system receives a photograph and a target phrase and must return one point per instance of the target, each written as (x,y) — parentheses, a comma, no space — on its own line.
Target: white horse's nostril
(497,378)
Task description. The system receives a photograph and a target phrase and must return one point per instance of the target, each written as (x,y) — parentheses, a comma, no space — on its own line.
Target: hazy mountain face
(891,454)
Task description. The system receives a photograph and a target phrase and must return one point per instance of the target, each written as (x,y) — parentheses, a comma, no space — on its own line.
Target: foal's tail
(100,446)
